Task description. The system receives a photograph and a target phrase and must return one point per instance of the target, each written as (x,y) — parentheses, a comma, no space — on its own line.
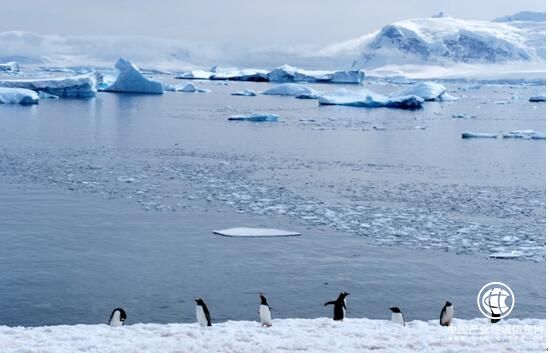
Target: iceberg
(525,134)
(469,134)
(10,66)
(367,99)
(195,75)
(46,95)
(255,75)
(255,117)
(292,89)
(72,86)
(245,92)
(287,73)
(131,80)
(429,91)
(255,232)
(18,96)
(186,87)
(539,98)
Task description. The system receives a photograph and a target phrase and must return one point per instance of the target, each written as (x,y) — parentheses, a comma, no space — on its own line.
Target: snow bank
(131,80)
(292,89)
(287,335)
(72,86)
(287,73)
(11,66)
(245,92)
(18,96)
(537,99)
(469,134)
(255,117)
(255,232)
(367,99)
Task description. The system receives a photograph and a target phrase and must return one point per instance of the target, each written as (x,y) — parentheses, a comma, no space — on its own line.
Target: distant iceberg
(294,90)
(186,87)
(245,92)
(72,86)
(287,73)
(255,117)
(18,96)
(255,232)
(367,99)
(429,91)
(469,134)
(255,75)
(131,80)
(11,66)
(195,75)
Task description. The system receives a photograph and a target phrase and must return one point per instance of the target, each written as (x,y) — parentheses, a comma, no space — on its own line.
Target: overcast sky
(259,22)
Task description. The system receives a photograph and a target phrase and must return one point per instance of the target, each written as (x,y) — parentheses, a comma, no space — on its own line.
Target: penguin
(117,317)
(446,314)
(339,311)
(264,312)
(397,316)
(202,313)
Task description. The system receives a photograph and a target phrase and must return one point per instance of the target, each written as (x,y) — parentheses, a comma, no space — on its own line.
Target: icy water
(111,202)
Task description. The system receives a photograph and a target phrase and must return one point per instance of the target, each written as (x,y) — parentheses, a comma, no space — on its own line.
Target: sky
(250,23)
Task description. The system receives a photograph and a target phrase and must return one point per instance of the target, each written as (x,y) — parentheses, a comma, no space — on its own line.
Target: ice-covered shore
(287,335)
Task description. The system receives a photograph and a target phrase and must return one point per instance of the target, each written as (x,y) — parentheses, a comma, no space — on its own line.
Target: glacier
(294,90)
(131,80)
(18,96)
(72,86)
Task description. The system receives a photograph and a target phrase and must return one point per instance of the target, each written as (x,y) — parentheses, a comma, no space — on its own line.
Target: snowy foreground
(288,335)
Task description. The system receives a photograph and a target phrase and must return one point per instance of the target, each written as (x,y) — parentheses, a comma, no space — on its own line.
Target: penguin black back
(446,314)
(201,303)
(339,310)
(263,299)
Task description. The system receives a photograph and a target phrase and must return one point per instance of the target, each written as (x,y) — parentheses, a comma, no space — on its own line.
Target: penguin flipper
(333,302)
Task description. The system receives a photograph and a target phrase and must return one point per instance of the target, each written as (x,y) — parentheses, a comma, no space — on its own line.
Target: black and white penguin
(397,316)
(117,317)
(202,313)
(339,311)
(264,312)
(446,314)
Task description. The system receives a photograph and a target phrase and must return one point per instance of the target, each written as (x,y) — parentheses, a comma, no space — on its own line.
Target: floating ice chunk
(131,80)
(255,117)
(18,96)
(11,66)
(46,95)
(185,87)
(463,116)
(256,75)
(368,99)
(245,92)
(72,86)
(506,255)
(255,232)
(469,134)
(539,98)
(429,91)
(195,75)
(287,73)
(525,134)
(292,89)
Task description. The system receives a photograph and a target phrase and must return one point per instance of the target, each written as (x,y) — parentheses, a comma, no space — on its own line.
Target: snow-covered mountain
(447,40)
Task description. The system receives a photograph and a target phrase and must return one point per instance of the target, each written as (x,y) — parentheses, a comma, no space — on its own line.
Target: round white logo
(496,300)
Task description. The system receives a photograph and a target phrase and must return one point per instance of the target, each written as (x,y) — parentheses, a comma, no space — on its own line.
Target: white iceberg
(539,98)
(469,134)
(195,75)
(254,117)
(18,96)
(256,75)
(514,254)
(131,80)
(320,335)
(525,134)
(10,66)
(245,92)
(292,89)
(367,99)
(185,87)
(72,86)
(255,232)
(429,91)
(287,73)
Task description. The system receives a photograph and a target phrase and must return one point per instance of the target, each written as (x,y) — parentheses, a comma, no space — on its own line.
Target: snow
(72,86)
(287,73)
(285,335)
(539,98)
(292,89)
(18,96)
(469,134)
(367,99)
(255,117)
(11,66)
(255,232)
(131,80)
(525,134)
(185,87)
(523,16)
(245,92)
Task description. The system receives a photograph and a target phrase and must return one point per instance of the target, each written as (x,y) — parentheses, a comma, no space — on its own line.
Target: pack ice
(18,96)
(131,80)
(72,86)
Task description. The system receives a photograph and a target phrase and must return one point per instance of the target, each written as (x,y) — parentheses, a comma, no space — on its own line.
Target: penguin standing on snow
(202,313)
(397,316)
(117,317)
(264,312)
(339,311)
(446,314)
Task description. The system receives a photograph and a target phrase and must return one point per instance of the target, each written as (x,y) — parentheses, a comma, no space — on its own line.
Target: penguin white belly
(448,316)
(115,321)
(264,314)
(201,316)
(398,318)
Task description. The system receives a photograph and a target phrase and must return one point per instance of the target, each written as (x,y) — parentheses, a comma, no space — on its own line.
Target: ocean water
(112,201)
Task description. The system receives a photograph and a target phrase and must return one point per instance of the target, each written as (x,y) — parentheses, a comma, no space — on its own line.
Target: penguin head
(199,302)
(395,309)
(448,304)
(263,299)
(121,312)
(343,295)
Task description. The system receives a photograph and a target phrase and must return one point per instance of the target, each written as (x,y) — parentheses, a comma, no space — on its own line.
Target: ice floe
(254,117)
(429,91)
(539,98)
(245,92)
(195,75)
(131,80)
(463,116)
(18,96)
(185,87)
(525,134)
(10,66)
(507,255)
(294,90)
(367,99)
(287,73)
(255,232)
(72,86)
(469,134)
